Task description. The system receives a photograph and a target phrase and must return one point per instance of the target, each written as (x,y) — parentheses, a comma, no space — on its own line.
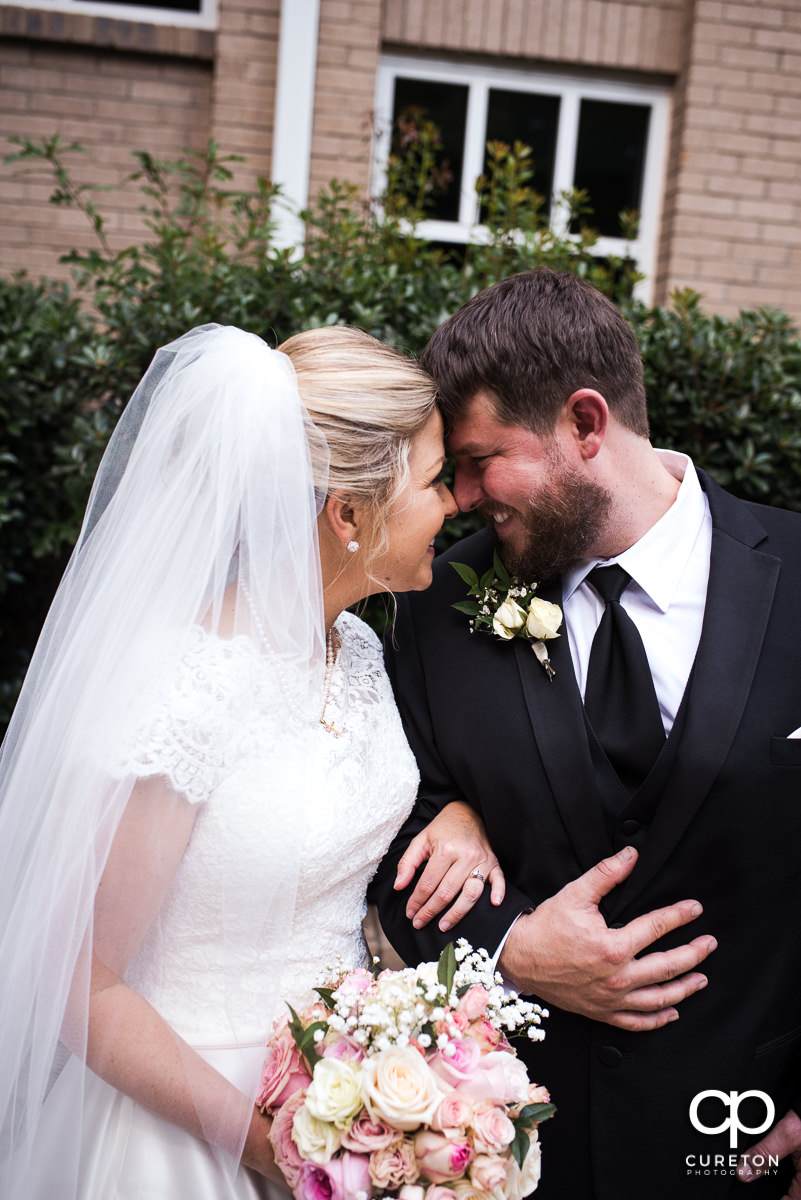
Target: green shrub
(726,391)
(48,374)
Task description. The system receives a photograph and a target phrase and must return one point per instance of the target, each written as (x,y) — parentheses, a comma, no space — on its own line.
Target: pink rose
(367,1134)
(492,1129)
(287,1155)
(537,1094)
(485,1033)
(488,1172)
(438,1192)
(317,1012)
(394,1165)
(455,1112)
(411,1191)
(340,1179)
(339,1045)
(283,1073)
(356,982)
(458,1065)
(459,1019)
(440,1158)
(473,1002)
(501,1078)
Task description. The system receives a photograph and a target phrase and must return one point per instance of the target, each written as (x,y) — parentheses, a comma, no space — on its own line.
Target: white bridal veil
(202,515)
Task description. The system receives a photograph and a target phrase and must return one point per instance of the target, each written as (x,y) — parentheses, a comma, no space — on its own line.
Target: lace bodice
(275,822)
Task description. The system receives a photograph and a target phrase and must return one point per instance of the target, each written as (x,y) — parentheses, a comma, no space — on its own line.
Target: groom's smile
(545,512)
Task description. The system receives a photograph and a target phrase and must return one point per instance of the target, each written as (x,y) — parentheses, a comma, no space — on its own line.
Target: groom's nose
(467,490)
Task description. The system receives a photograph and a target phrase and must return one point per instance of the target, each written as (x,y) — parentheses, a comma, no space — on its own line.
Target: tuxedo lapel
(742,582)
(556,714)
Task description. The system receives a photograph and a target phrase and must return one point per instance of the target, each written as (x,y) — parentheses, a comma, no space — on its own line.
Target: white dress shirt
(669,568)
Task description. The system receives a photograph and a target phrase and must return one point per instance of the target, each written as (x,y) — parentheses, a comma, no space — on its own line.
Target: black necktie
(619,698)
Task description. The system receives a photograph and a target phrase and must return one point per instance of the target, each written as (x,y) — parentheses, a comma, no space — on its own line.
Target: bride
(206,764)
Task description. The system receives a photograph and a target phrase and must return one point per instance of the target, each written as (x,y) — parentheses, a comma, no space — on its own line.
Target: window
(199,14)
(608,138)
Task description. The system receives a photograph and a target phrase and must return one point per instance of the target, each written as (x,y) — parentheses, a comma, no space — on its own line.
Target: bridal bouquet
(405,1085)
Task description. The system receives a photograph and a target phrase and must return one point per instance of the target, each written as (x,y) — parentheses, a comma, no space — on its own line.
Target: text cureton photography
(726,1164)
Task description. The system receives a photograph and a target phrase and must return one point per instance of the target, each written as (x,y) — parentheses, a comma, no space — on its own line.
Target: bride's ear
(342,519)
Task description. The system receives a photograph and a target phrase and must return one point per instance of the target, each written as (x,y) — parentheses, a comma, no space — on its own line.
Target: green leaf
(520,1145)
(295,1026)
(446,967)
(487,579)
(466,573)
(304,1038)
(500,570)
(526,1119)
(327,996)
(467,606)
(535,1114)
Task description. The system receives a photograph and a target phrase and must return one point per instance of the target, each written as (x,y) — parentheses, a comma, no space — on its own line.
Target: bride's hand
(455,844)
(257,1153)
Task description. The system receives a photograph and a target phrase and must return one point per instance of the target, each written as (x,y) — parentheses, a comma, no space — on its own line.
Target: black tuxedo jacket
(721,824)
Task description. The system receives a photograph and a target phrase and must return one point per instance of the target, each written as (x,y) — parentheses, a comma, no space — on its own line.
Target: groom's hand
(565,953)
(783,1140)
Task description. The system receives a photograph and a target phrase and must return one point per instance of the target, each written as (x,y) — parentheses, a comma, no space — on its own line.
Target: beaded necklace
(332,648)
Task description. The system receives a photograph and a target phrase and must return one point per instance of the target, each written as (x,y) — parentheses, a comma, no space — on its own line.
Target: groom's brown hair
(532,340)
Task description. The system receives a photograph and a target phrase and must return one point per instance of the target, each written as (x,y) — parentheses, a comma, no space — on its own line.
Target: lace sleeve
(189,726)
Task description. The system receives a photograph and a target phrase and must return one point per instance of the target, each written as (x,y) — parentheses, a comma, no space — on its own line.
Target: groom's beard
(562,524)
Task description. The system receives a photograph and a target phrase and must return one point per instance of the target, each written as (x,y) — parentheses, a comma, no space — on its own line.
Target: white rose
(428,972)
(464,1190)
(335,1092)
(508,619)
(488,1172)
(316,1140)
(400,1088)
(543,619)
(520,1181)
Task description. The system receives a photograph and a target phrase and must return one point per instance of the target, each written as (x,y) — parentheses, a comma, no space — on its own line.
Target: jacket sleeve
(485,925)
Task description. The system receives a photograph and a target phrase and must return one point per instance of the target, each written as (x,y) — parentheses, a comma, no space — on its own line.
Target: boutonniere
(505,607)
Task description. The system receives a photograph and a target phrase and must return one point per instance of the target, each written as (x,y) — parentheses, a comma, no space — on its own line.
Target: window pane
(610,156)
(532,119)
(446,105)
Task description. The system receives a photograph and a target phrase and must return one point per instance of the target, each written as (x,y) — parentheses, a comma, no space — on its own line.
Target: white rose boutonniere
(508,620)
(503,606)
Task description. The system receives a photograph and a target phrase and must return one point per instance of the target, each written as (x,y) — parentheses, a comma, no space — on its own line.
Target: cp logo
(732,1101)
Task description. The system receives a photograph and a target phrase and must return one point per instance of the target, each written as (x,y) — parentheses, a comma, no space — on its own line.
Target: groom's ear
(588,416)
(341,517)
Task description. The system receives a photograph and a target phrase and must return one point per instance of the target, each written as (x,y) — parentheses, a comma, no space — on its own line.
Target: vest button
(610,1056)
(630,827)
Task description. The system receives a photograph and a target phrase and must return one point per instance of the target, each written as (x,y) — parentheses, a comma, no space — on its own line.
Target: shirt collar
(657,561)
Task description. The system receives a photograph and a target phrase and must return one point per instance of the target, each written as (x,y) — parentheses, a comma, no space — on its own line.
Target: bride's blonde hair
(368,401)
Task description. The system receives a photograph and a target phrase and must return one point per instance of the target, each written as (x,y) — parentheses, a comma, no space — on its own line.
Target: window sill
(111,33)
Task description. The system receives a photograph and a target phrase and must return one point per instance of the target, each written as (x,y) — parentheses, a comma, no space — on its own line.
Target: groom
(684,779)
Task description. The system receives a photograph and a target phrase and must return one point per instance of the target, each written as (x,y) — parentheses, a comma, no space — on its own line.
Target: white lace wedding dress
(211,741)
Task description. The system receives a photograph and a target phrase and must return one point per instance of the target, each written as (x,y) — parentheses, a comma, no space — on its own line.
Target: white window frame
(205,19)
(571,89)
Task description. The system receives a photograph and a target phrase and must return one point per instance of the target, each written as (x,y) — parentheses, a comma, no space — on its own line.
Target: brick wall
(244,83)
(110,101)
(347,62)
(732,214)
(732,223)
(642,35)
